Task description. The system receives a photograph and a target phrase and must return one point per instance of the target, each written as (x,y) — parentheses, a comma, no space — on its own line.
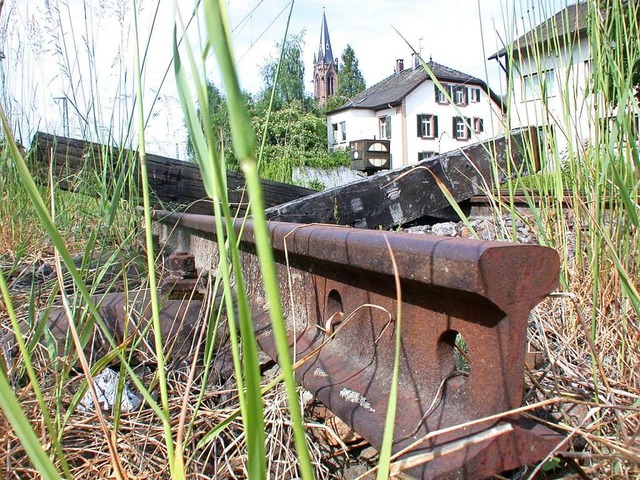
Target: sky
(457,33)
(83,50)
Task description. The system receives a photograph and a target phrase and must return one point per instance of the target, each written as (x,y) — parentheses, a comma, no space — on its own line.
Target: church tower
(325,67)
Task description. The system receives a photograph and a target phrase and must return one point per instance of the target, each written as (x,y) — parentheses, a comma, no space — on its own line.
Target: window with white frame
(460,95)
(385,126)
(478,125)
(334,130)
(538,85)
(549,86)
(427,126)
(343,131)
(475,95)
(440,94)
(461,128)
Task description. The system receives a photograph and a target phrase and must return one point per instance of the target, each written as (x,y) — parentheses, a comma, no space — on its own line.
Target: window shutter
(435,126)
(420,132)
(453,128)
(436,91)
(468,127)
(388,126)
(466,95)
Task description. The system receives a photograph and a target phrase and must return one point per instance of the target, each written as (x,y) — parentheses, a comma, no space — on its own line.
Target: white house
(548,70)
(417,117)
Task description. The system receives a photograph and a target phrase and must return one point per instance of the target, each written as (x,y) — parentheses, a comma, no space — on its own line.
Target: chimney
(399,65)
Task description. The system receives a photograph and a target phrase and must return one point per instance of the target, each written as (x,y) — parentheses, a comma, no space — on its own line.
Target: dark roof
(568,21)
(391,90)
(325,53)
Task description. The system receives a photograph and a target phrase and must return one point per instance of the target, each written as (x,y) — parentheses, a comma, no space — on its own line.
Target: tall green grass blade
(384,463)
(244,146)
(250,397)
(175,468)
(243,136)
(207,158)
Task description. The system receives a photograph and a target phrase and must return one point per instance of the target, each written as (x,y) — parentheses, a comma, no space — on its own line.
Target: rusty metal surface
(125,316)
(182,265)
(479,291)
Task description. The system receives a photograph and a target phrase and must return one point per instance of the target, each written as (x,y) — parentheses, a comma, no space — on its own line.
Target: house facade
(417,117)
(548,70)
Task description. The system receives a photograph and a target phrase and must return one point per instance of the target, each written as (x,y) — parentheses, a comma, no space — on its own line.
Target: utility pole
(65,113)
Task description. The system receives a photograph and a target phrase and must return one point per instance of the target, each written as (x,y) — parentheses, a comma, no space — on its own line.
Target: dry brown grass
(139,434)
(601,415)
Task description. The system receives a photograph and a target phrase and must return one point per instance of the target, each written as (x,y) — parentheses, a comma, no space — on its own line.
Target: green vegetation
(295,137)
(294,127)
(249,428)
(289,69)
(351,79)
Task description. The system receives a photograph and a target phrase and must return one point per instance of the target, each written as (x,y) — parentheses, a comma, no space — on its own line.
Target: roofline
(503,52)
(497,99)
(514,46)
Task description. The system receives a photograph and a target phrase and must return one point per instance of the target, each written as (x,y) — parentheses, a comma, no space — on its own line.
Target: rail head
(494,270)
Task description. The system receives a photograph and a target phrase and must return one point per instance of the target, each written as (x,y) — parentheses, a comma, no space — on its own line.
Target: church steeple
(325,66)
(325,54)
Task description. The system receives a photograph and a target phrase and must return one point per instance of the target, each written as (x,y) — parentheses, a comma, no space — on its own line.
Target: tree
(297,137)
(351,82)
(290,85)
(336,101)
(218,115)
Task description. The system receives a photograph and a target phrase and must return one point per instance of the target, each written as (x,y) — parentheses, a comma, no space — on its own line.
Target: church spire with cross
(325,67)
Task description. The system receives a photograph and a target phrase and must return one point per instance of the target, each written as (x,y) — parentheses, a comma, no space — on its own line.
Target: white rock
(106,385)
(447,229)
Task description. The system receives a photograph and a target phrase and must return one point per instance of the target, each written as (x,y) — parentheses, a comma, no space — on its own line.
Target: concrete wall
(329,178)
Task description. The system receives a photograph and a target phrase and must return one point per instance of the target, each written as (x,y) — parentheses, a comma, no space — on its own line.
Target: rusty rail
(455,293)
